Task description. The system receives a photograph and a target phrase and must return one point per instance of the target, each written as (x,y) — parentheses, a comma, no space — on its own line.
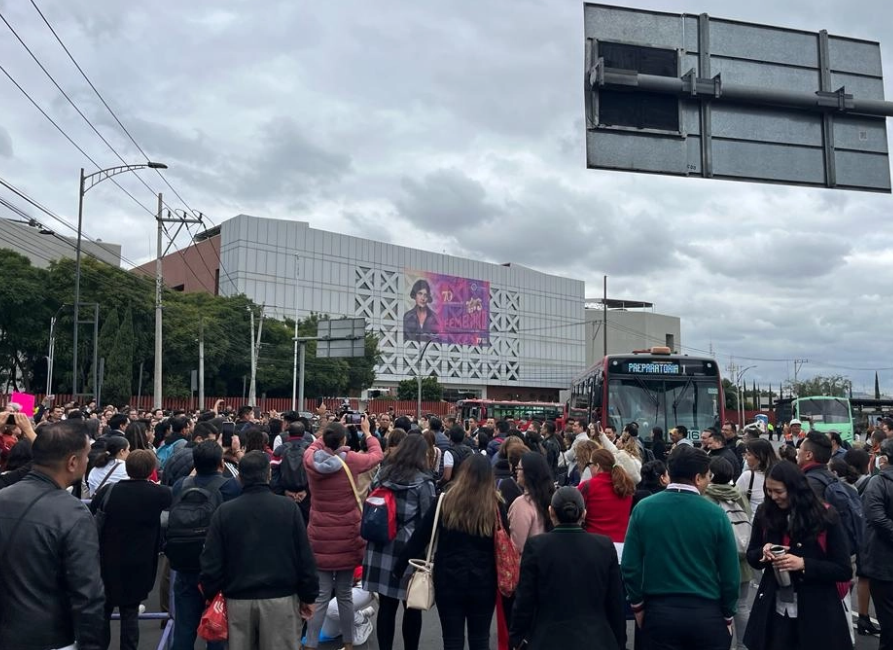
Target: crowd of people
(312,528)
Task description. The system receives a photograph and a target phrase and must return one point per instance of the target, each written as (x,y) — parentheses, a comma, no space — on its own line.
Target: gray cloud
(460,127)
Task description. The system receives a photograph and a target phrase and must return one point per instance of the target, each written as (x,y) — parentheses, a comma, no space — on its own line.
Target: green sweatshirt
(679,543)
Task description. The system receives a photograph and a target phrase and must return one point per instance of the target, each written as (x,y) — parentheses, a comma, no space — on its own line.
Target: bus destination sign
(653,368)
(664,367)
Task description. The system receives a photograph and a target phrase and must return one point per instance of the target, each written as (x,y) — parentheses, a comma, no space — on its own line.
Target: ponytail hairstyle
(114,446)
(620,480)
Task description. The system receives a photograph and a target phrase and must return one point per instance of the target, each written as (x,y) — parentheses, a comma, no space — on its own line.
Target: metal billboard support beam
(693,87)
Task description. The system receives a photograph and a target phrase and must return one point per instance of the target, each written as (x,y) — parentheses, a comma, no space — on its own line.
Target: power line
(132,139)
(101,137)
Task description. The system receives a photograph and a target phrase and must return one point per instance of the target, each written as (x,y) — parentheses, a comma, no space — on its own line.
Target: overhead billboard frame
(755,103)
(341,339)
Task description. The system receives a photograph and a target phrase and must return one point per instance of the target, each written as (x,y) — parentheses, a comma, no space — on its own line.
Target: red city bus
(520,412)
(653,388)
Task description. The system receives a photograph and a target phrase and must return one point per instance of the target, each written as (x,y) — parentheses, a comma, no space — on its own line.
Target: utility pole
(419,379)
(605,316)
(159,285)
(255,353)
(798,363)
(294,379)
(201,364)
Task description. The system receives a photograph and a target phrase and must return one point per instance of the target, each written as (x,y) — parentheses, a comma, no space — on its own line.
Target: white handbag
(420,590)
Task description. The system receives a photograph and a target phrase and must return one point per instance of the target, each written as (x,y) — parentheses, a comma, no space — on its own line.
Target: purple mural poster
(446,309)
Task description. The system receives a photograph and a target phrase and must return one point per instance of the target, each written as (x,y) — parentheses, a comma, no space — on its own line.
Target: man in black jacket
(876,557)
(715,443)
(52,593)
(265,600)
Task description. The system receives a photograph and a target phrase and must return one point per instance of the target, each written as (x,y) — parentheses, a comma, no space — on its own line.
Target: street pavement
(150,634)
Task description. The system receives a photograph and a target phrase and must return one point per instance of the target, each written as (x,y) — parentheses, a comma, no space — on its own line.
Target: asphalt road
(150,634)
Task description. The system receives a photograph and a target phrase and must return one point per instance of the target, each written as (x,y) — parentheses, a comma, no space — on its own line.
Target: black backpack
(188,523)
(460,452)
(290,473)
(848,505)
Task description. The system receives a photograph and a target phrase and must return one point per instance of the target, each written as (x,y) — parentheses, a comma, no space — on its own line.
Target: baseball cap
(795,421)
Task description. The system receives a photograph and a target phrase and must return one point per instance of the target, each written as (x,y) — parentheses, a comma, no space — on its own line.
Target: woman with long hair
(803,547)
(505,471)
(109,465)
(529,514)
(465,560)
(434,453)
(136,435)
(583,468)
(405,474)
(759,457)
(626,453)
(608,496)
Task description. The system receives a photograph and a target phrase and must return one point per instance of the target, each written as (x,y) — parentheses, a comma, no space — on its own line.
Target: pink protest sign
(24,400)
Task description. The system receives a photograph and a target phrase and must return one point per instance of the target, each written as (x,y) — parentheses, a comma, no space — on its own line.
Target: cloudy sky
(454,126)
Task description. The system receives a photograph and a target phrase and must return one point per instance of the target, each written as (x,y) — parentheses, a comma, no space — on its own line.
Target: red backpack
(379,522)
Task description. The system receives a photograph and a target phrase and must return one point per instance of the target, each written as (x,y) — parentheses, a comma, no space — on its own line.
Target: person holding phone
(801,544)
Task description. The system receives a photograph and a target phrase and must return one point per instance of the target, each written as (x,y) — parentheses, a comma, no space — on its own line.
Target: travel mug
(781,576)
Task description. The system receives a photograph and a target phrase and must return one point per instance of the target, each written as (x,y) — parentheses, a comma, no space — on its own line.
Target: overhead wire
(101,137)
(133,140)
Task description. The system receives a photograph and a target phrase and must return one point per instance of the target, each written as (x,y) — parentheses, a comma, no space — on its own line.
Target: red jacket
(606,513)
(334,528)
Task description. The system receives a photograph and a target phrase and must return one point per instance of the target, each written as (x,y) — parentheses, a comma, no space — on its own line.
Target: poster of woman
(446,309)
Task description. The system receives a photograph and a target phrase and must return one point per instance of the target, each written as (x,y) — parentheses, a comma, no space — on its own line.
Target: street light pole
(77,288)
(157,388)
(87,182)
(419,378)
(51,357)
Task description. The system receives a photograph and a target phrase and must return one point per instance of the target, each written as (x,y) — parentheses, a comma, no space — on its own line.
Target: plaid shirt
(413,501)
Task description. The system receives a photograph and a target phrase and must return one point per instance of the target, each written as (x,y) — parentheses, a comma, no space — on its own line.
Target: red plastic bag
(214,625)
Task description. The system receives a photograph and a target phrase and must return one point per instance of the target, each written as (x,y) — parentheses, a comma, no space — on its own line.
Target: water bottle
(782,576)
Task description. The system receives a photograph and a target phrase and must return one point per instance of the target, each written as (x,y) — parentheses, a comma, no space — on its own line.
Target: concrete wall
(628,331)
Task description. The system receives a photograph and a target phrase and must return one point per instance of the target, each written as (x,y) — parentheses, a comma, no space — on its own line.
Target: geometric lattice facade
(536,320)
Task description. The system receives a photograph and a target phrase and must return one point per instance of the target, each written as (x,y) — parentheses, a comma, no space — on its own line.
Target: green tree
(432,390)
(832,386)
(731,394)
(108,336)
(26,307)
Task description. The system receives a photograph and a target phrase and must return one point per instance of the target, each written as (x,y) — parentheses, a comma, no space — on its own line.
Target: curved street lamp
(88,182)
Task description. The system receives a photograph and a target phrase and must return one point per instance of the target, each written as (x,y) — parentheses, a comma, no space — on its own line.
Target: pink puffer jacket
(334,528)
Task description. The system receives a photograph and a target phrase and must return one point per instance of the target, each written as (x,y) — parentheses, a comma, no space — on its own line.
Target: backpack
(379,522)
(290,474)
(460,452)
(741,524)
(188,523)
(848,505)
(166,451)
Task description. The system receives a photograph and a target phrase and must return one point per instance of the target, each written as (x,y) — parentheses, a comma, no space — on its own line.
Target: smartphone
(227,430)
(354,418)
(10,419)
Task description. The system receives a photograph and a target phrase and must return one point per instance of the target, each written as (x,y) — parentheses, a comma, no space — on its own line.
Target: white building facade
(499,331)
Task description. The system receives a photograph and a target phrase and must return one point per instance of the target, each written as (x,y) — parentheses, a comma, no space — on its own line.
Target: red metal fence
(278,404)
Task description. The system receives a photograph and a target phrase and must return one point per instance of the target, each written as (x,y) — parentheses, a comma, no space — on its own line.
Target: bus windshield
(664,403)
(827,411)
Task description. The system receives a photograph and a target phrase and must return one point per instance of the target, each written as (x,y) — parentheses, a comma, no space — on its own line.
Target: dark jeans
(473,608)
(684,622)
(130,626)
(882,595)
(189,605)
(386,623)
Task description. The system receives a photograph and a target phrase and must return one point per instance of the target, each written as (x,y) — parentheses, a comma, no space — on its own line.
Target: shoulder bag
(508,560)
(353,485)
(420,590)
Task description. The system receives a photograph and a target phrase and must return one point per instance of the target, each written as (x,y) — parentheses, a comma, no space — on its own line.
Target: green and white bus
(823,413)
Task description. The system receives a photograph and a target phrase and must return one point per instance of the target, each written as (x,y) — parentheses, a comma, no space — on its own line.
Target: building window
(671,342)
(180,287)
